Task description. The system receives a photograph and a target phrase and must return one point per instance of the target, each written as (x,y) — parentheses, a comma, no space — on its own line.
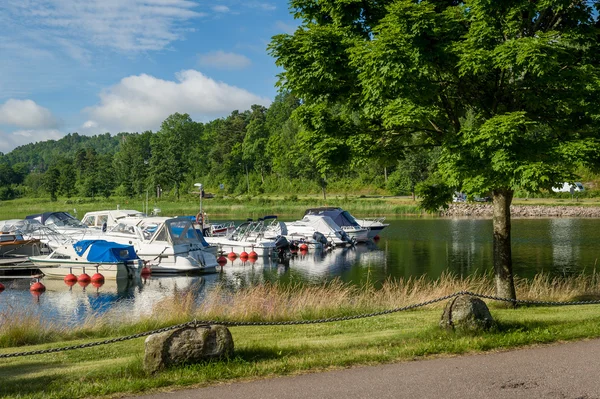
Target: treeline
(261,150)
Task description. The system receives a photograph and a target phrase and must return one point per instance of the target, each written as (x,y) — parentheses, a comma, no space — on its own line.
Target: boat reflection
(76,303)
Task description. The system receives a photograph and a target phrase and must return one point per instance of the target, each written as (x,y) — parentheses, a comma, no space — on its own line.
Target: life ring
(200,218)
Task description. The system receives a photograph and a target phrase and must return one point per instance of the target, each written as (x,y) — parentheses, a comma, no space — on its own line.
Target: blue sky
(96,66)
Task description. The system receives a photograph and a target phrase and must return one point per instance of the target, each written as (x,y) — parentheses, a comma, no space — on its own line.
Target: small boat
(112,260)
(13,243)
(167,245)
(252,236)
(374,225)
(343,219)
(105,219)
(310,225)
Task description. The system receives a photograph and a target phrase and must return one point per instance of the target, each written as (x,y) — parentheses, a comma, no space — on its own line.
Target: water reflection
(408,248)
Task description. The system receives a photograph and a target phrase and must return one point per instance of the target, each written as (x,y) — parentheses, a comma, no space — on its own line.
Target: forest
(261,150)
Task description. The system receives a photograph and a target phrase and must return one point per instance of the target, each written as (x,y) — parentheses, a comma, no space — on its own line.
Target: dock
(14,264)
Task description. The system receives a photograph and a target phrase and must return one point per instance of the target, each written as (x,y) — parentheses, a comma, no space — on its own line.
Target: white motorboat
(374,225)
(54,228)
(108,218)
(311,224)
(112,260)
(343,219)
(14,244)
(251,236)
(167,245)
(274,229)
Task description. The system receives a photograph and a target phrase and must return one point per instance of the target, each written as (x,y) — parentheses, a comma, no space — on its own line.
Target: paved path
(569,370)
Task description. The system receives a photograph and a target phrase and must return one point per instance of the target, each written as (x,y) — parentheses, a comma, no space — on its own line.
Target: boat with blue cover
(112,260)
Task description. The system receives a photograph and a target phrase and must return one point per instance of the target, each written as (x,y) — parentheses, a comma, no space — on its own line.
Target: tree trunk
(505,286)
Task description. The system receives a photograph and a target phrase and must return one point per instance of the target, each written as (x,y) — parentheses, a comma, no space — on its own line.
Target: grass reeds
(279,302)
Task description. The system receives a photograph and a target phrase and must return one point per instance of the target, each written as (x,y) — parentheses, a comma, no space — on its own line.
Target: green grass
(245,206)
(116,369)
(239,207)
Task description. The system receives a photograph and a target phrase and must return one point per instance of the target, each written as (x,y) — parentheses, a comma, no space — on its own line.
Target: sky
(97,66)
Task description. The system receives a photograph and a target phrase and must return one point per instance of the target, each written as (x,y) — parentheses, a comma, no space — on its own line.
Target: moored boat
(343,219)
(112,260)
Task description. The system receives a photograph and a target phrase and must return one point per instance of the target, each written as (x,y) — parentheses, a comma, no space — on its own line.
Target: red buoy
(146,271)
(83,284)
(303,247)
(1,287)
(232,255)
(70,278)
(252,260)
(252,255)
(244,255)
(84,278)
(221,260)
(97,278)
(37,287)
(98,283)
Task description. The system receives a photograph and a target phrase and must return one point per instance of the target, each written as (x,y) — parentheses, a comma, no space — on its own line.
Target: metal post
(247,180)
(200,190)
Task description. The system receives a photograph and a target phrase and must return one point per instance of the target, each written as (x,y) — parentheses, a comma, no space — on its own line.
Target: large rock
(186,345)
(466,313)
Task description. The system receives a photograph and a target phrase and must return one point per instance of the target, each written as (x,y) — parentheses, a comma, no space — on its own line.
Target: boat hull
(62,267)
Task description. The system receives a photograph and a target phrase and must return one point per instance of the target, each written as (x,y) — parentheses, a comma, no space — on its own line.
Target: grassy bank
(249,207)
(115,369)
(239,207)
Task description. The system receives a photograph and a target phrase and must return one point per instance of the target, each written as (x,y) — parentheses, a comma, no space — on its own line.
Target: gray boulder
(466,313)
(186,345)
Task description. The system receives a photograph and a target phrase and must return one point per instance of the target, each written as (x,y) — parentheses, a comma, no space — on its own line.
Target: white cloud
(142,102)
(26,114)
(224,60)
(220,8)
(261,5)
(124,25)
(9,141)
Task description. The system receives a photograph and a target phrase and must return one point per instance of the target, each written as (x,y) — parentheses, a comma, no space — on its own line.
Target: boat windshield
(63,219)
(124,229)
(182,231)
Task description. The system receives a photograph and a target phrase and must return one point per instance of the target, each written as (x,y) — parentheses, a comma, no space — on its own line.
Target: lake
(407,248)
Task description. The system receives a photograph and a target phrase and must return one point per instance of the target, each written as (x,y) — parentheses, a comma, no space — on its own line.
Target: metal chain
(206,323)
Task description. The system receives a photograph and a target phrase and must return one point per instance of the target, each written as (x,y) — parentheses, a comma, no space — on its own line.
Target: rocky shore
(523,211)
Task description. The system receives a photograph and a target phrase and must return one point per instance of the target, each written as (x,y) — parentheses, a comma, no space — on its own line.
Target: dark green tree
(52,182)
(170,161)
(506,89)
(255,142)
(132,164)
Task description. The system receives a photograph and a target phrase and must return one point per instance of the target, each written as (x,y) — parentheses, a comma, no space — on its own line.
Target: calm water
(408,247)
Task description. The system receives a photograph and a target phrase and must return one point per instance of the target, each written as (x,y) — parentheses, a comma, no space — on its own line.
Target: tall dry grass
(280,302)
(276,301)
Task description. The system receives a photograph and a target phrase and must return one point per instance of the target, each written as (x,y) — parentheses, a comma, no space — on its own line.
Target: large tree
(507,89)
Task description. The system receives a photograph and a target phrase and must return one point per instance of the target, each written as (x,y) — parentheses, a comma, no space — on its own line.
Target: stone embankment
(523,211)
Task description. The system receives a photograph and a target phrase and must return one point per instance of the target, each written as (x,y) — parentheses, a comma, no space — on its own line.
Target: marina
(407,248)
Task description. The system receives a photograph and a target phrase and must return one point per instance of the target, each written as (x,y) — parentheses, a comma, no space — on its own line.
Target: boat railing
(374,219)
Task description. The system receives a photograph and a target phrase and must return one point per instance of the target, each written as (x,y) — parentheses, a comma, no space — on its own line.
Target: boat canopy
(105,251)
(56,218)
(339,216)
(321,223)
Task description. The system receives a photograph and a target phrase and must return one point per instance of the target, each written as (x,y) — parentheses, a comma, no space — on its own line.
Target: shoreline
(521,211)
